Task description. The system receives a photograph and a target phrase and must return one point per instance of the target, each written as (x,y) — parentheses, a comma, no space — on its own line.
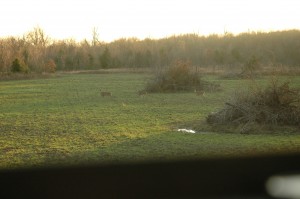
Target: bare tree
(37,42)
(37,37)
(95,40)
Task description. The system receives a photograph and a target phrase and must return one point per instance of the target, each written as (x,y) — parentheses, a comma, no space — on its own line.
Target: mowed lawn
(66,121)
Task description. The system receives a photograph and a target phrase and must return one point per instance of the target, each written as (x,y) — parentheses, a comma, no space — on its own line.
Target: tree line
(36,52)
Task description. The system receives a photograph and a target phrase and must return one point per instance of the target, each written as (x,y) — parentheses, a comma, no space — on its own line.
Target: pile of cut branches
(277,104)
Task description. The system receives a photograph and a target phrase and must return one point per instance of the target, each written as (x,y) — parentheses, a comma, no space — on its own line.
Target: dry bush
(50,66)
(249,70)
(277,104)
(179,77)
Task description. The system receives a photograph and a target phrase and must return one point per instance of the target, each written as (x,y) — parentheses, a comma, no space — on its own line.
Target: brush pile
(277,104)
(179,77)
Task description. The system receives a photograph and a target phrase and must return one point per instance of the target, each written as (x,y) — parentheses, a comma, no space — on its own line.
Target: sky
(114,19)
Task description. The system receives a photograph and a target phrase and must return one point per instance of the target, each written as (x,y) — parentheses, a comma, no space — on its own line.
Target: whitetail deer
(142,93)
(199,93)
(104,93)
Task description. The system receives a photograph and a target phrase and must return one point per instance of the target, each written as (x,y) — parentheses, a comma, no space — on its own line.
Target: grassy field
(64,120)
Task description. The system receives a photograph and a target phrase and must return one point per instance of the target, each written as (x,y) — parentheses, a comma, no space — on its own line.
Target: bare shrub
(277,104)
(176,78)
(249,70)
(50,66)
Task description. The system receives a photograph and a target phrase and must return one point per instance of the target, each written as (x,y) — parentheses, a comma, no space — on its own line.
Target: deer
(199,93)
(105,93)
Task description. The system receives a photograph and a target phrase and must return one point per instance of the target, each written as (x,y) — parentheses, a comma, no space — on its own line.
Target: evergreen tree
(105,58)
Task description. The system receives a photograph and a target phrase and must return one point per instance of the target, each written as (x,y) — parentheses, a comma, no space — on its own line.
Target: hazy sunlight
(144,18)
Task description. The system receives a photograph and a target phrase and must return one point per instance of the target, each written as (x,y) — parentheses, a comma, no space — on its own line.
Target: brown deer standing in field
(105,93)
(199,93)
(142,93)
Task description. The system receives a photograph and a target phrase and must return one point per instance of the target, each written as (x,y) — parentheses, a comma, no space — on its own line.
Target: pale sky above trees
(114,19)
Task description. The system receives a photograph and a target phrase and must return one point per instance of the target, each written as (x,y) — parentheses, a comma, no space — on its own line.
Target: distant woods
(36,52)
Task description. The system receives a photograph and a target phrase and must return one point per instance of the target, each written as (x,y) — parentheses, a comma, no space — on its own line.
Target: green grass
(63,121)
